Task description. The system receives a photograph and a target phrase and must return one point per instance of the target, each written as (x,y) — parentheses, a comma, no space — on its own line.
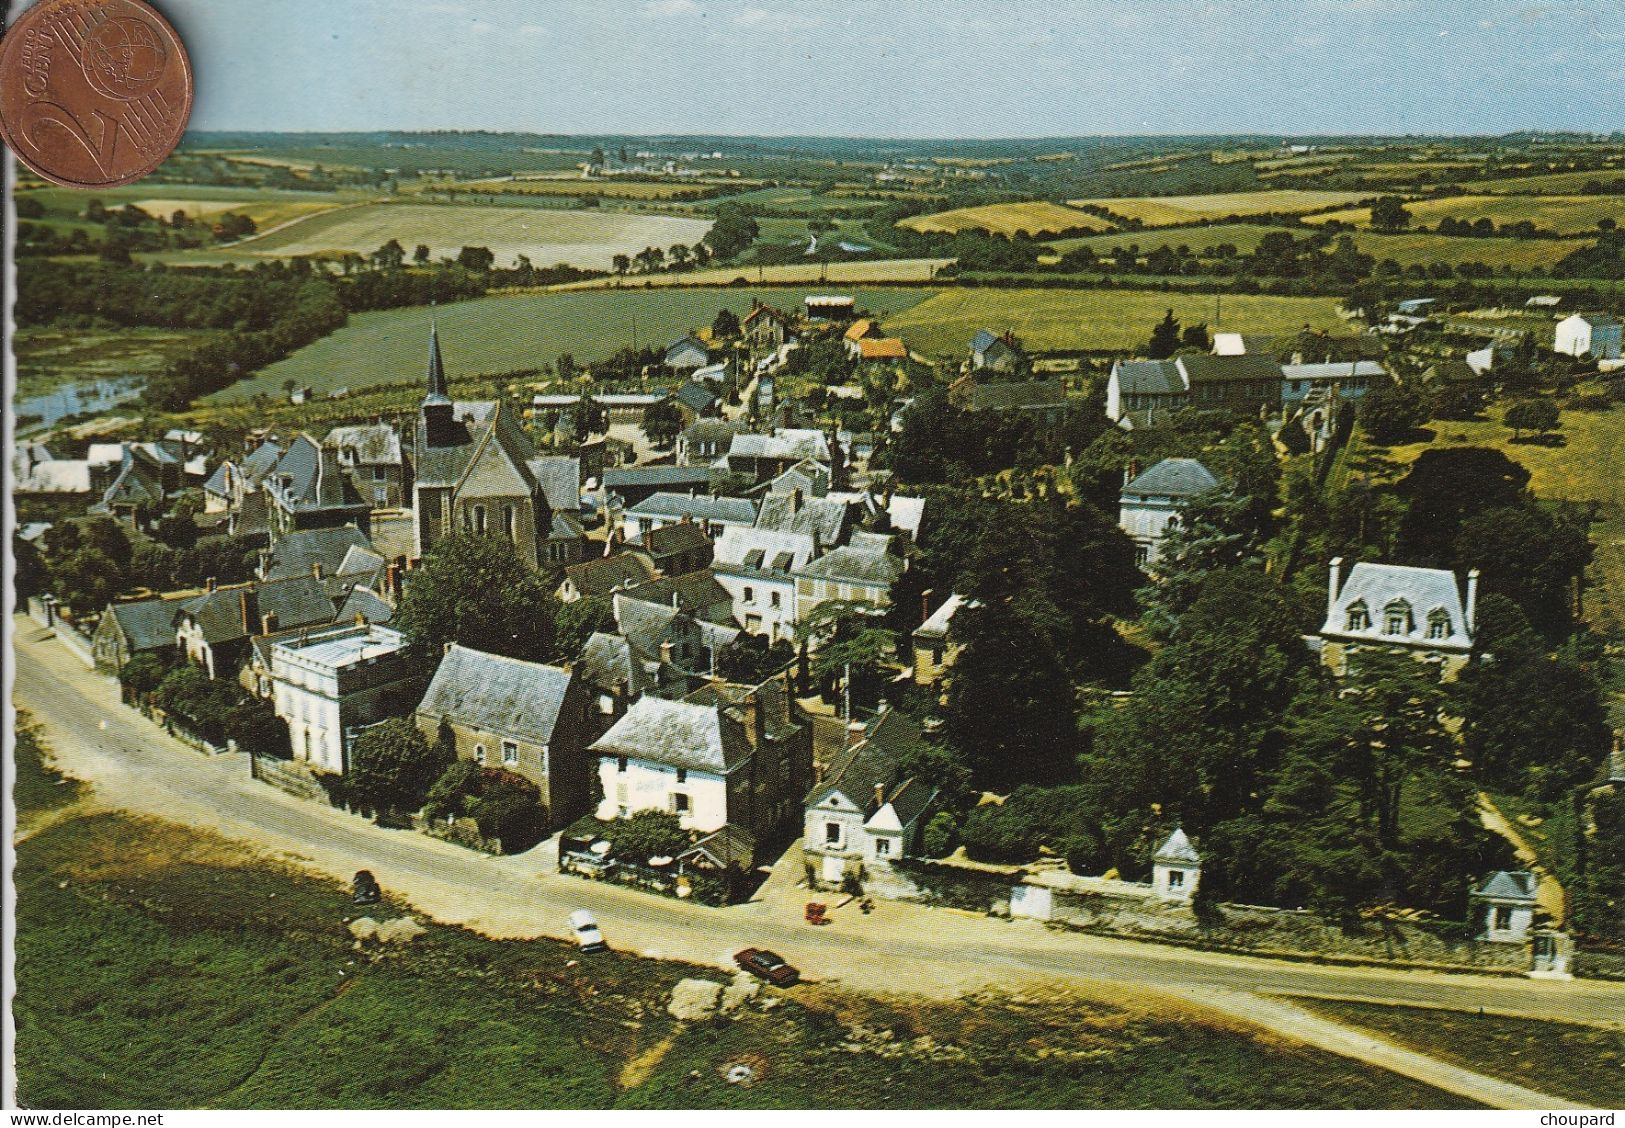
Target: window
(479,520)
(1176,879)
(1142,553)
(679,803)
(1438,625)
(832,834)
(1359,619)
(510,752)
(479,753)
(510,522)
(1503,918)
(1396,618)
(750,596)
(882,847)
(773,599)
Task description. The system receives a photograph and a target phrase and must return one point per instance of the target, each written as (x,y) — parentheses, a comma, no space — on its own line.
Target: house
(686,354)
(711,513)
(524,717)
(1544,301)
(1594,335)
(933,651)
(136,491)
(618,407)
(213,628)
(1244,344)
(677,550)
(1139,393)
(1417,610)
(676,646)
(762,457)
(373,457)
(1416,307)
(827,520)
(697,400)
(718,373)
(863,329)
(473,470)
(706,440)
(1176,868)
(860,572)
(757,568)
(604,575)
(806,476)
(231,482)
(862,815)
(1507,900)
(725,755)
(830,307)
(615,675)
(314,552)
(1453,374)
(881,350)
(634,484)
(693,593)
(1001,354)
(309,490)
(602,454)
(141,626)
(1045,401)
(1149,504)
(330,683)
(1348,380)
(766,330)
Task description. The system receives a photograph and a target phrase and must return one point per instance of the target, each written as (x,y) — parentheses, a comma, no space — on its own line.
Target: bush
(1056,818)
(505,805)
(941,836)
(648,834)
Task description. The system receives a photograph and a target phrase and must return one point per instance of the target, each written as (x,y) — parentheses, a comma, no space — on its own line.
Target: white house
(1176,868)
(861,815)
(328,683)
(1149,505)
(757,567)
(860,572)
(1596,335)
(1507,900)
(709,513)
(1419,610)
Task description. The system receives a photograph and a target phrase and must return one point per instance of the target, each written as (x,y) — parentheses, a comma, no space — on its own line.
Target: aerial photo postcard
(624,555)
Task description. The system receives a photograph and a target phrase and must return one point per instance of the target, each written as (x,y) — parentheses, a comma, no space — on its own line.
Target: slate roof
(261,461)
(1333,370)
(1149,378)
(855,565)
(1205,368)
(725,846)
(607,662)
(308,477)
(366,603)
(696,396)
(1177,848)
(910,799)
(826,519)
(444,465)
(693,592)
(807,476)
(1599,320)
(870,762)
(505,695)
(789,444)
(736,510)
(147,624)
(374,444)
(604,574)
(669,540)
(718,430)
(293,554)
(657,476)
(751,551)
(1425,589)
(936,624)
(134,485)
(1019,394)
(983,339)
(559,476)
(1173,477)
(677,734)
(359,559)
(297,602)
(1508,885)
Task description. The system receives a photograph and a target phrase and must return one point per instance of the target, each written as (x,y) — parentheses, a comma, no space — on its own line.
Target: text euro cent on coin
(93,93)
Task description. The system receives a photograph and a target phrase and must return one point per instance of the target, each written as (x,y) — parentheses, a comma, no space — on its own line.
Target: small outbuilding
(1176,868)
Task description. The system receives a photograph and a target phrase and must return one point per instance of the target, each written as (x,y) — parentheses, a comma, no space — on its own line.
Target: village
(793,603)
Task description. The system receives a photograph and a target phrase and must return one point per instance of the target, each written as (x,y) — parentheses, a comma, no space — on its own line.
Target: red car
(769,966)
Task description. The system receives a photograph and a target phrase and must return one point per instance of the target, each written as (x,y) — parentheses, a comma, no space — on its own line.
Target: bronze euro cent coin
(93,93)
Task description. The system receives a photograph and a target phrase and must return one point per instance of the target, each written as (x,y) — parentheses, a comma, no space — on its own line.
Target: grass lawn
(798,201)
(1581,1063)
(160,967)
(1174,211)
(516,331)
(47,359)
(546,235)
(38,787)
(1558,182)
(1054,320)
(1036,217)
(265,206)
(1566,215)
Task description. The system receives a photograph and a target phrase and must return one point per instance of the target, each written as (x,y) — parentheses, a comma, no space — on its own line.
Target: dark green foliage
(1216,530)
(647,834)
(750,659)
(1165,338)
(473,590)
(202,703)
(1599,891)
(1391,412)
(725,325)
(1389,214)
(1537,415)
(142,673)
(1447,486)
(393,766)
(1457,403)
(256,728)
(940,836)
(1534,555)
(507,806)
(580,620)
(663,422)
(732,233)
(1060,819)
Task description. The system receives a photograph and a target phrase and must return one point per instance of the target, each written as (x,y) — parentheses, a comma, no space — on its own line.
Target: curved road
(134,766)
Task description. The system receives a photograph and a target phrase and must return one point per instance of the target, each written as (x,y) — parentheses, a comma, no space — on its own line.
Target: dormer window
(1396,618)
(1438,625)
(1359,619)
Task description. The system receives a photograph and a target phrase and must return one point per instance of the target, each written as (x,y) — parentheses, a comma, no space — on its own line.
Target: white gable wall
(642,784)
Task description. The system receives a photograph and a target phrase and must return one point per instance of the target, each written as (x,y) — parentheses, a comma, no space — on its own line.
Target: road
(134,766)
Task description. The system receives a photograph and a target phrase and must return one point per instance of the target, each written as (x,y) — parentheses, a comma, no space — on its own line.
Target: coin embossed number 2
(93,93)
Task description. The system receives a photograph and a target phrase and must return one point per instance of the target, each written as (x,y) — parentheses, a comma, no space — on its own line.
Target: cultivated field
(576,186)
(1554,182)
(518,331)
(788,274)
(1097,320)
(266,207)
(264,213)
(1174,211)
(1035,218)
(797,201)
(1566,215)
(1417,248)
(547,236)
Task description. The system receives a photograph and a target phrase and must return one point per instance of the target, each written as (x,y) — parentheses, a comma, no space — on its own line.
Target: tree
(477,259)
(662,422)
(142,674)
(1164,338)
(393,766)
(1212,531)
(1533,555)
(1390,412)
(1537,415)
(750,659)
(1195,337)
(475,591)
(648,834)
(725,325)
(420,254)
(1389,214)
(256,728)
(390,256)
(86,581)
(622,263)
(578,621)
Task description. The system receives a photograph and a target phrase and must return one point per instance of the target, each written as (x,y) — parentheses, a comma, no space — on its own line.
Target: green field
(809,273)
(1035,217)
(1549,182)
(1566,215)
(797,201)
(1408,249)
(266,207)
(50,358)
(517,331)
(1177,211)
(548,236)
(1092,320)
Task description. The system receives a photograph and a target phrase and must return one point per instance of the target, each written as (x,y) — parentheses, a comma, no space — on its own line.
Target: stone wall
(289,776)
(461,830)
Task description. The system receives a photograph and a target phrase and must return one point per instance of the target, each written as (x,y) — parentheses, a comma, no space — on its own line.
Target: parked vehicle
(584,927)
(767,965)
(364,888)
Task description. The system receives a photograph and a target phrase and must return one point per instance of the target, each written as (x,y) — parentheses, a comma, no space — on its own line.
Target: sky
(907,68)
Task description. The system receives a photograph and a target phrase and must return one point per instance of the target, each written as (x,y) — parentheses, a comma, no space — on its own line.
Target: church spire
(437,367)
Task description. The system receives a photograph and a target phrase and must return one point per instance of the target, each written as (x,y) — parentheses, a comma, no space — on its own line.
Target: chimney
(1333,586)
(925,605)
(855,732)
(248,612)
(392,579)
(752,706)
(795,500)
(1472,599)
(360,620)
(665,654)
(880,796)
(316,569)
(268,623)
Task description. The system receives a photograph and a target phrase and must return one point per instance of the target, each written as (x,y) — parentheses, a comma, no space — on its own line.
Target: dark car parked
(769,966)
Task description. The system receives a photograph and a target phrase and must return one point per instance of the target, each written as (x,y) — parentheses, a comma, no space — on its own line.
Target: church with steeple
(476,471)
